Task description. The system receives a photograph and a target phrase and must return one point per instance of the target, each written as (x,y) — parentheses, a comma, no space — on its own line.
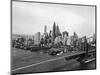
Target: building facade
(37,38)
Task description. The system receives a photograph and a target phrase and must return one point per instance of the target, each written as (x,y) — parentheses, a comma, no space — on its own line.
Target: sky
(30,18)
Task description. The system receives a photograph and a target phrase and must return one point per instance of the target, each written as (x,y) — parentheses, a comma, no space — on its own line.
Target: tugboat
(55,51)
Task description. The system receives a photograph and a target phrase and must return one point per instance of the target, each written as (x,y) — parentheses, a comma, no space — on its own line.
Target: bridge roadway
(57,57)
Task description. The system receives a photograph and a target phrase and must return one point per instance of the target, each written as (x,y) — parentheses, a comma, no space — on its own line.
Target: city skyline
(30,18)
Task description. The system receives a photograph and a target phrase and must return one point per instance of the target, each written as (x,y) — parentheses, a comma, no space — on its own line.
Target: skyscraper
(65,38)
(58,33)
(45,29)
(37,38)
(54,30)
(57,30)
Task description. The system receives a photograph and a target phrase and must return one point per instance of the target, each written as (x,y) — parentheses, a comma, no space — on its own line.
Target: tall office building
(45,31)
(75,36)
(65,37)
(54,31)
(74,39)
(37,38)
(58,33)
